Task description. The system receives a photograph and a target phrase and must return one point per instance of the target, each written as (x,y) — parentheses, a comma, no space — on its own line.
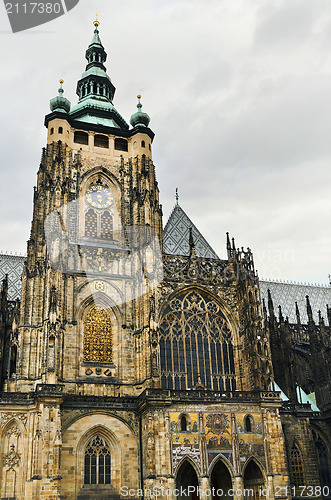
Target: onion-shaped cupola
(139,118)
(60,103)
(95,83)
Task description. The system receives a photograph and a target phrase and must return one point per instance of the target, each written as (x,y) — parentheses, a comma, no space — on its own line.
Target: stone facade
(125,368)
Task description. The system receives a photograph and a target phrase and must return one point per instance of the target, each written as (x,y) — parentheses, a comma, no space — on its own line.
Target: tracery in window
(91,224)
(195,341)
(97,465)
(297,467)
(97,336)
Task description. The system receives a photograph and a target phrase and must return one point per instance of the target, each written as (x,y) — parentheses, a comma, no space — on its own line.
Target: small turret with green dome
(60,103)
(139,118)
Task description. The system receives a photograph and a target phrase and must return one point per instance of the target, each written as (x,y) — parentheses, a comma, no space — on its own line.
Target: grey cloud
(239,101)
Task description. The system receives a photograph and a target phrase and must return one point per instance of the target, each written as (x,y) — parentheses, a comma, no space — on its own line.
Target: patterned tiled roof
(13,266)
(176,236)
(286,294)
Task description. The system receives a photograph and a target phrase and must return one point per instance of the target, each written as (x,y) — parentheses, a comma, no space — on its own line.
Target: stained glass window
(196,341)
(91,224)
(97,462)
(97,336)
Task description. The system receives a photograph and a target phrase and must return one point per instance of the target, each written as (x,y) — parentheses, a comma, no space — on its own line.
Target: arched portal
(221,481)
(253,481)
(186,477)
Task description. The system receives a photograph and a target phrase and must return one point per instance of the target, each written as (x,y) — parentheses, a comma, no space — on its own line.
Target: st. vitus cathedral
(137,363)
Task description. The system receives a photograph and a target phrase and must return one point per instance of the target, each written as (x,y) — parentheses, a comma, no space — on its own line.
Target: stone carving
(5,417)
(13,431)
(11,459)
(186,449)
(183,269)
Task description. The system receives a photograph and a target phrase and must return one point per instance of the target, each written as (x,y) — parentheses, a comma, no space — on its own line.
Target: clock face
(99,196)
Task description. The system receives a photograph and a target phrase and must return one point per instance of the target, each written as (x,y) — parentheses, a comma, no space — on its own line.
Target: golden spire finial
(61,81)
(139,96)
(96,22)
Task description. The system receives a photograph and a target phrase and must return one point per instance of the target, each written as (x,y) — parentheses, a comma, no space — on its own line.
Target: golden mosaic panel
(218,431)
(97,336)
(250,443)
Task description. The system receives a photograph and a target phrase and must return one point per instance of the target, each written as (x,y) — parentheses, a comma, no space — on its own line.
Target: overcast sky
(239,95)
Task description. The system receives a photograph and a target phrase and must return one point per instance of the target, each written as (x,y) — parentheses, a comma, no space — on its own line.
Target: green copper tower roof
(96,91)
(60,103)
(139,118)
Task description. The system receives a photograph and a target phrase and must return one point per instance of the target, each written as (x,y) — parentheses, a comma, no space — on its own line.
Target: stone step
(98,491)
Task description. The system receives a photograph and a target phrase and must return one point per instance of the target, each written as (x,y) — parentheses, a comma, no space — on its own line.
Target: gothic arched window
(97,336)
(183,423)
(91,224)
(297,467)
(99,214)
(248,423)
(323,460)
(196,344)
(97,462)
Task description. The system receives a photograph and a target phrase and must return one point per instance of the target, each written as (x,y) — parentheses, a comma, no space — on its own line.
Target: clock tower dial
(99,196)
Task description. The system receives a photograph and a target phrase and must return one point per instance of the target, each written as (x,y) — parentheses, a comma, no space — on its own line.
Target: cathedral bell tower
(94,253)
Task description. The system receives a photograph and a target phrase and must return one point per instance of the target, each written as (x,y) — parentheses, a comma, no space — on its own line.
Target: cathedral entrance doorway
(221,481)
(253,481)
(186,477)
